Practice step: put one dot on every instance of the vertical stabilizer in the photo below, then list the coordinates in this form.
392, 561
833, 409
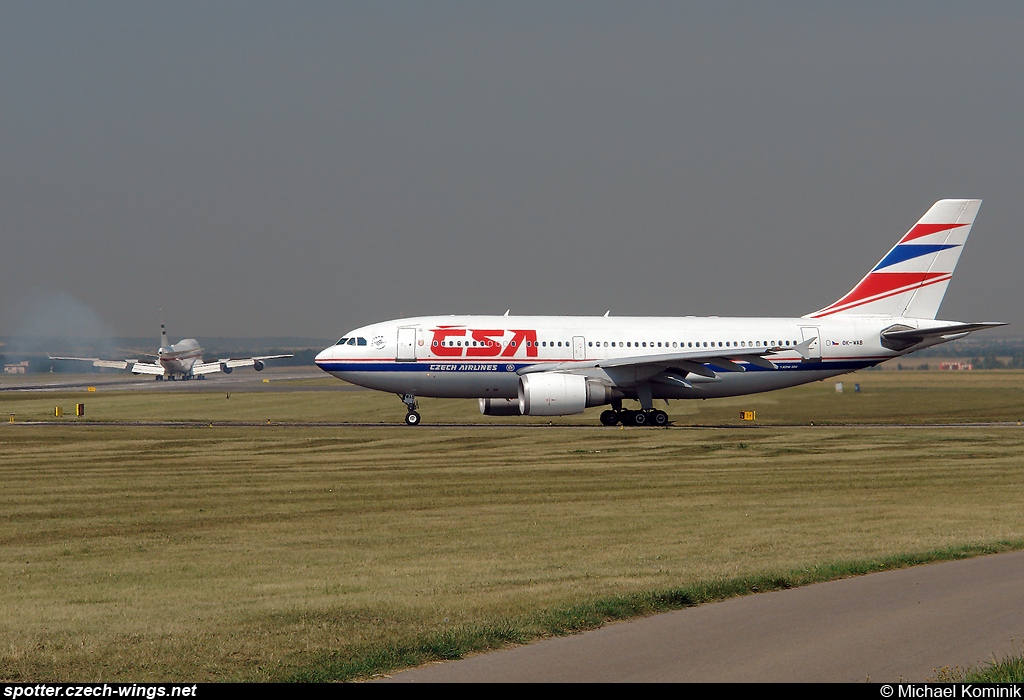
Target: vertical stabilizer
164, 342
912, 277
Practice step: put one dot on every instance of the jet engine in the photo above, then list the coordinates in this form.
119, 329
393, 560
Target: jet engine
555, 394
499, 407
257, 365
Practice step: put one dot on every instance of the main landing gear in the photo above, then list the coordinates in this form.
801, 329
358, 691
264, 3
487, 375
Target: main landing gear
412, 417
626, 417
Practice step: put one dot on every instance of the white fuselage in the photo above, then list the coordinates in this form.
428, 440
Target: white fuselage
483, 356
179, 358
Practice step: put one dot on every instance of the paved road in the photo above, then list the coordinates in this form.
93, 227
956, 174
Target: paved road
886, 627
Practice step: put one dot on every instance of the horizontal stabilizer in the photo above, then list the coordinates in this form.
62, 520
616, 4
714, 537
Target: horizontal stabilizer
916, 334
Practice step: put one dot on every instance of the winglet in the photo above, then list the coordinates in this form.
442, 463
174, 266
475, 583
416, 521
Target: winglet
804, 348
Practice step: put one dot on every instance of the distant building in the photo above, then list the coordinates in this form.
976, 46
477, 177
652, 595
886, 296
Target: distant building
955, 365
16, 368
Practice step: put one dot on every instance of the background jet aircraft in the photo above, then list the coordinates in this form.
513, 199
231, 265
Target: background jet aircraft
183, 360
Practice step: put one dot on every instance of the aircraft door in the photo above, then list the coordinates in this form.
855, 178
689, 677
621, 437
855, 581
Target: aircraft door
406, 345
812, 332
579, 348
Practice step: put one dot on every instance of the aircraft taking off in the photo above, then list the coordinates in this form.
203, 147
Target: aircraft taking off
561, 365
183, 360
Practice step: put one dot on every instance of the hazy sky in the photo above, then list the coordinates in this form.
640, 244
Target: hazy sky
302, 168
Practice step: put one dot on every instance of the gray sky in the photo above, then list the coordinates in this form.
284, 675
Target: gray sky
302, 168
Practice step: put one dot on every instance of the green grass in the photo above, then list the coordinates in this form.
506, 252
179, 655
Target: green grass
270, 553
1009, 669
453, 644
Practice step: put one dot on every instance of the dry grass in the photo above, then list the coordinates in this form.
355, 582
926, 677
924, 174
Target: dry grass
197, 553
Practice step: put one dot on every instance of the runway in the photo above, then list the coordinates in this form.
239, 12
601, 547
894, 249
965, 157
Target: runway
279, 379
897, 626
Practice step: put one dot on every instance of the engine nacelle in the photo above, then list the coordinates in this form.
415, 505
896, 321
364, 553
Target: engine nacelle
258, 366
500, 407
224, 368
554, 394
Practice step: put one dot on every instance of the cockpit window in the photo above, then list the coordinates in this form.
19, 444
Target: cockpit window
342, 341
351, 341
361, 341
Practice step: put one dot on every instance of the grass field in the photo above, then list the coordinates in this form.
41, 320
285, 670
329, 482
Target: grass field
886, 397
281, 553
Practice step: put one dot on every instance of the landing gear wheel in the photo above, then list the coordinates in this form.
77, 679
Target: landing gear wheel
609, 418
660, 418
640, 418
412, 417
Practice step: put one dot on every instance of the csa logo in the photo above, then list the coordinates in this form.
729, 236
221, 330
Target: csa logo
453, 341
378, 342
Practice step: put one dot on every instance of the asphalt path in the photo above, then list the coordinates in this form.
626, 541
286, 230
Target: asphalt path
896, 626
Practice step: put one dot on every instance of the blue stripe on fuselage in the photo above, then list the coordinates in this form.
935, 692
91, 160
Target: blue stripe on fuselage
506, 367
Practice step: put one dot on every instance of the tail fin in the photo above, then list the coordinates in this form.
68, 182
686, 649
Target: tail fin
164, 342
912, 278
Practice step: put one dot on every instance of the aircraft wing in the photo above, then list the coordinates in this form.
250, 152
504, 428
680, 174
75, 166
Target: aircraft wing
231, 363
690, 362
134, 366
147, 368
250, 361
97, 362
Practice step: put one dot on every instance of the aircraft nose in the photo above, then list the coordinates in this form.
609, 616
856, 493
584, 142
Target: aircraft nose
324, 355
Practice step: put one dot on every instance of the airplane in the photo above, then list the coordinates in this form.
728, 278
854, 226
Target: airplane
562, 365
183, 360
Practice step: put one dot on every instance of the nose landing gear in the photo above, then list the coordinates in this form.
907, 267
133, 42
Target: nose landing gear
412, 417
